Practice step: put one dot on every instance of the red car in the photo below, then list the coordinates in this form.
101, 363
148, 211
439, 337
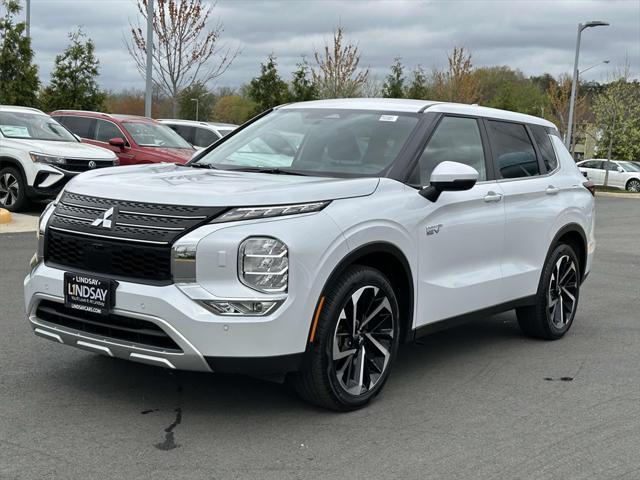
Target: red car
134, 139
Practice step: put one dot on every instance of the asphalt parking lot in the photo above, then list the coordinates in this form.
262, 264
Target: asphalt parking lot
478, 401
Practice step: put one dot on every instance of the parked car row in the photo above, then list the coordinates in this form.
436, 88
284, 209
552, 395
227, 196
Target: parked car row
39, 153
624, 175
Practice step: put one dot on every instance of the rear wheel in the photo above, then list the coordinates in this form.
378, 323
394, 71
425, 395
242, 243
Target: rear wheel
13, 194
557, 298
356, 341
633, 185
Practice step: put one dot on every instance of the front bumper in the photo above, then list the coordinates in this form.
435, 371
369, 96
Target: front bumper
207, 342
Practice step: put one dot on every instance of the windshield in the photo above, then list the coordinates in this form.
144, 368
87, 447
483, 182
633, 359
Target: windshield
33, 126
147, 134
317, 141
630, 166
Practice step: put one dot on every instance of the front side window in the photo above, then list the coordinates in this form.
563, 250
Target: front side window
512, 149
317, 141
33, 126
105, 131
546, 148
456, 139
204, 137
147, 134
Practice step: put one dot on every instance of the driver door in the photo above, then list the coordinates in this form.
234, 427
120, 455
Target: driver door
461, 237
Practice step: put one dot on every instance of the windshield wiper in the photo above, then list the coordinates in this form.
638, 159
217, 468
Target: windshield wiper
199, 165
273, 170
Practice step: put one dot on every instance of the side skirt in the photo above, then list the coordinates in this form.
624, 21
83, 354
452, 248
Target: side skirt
472, 316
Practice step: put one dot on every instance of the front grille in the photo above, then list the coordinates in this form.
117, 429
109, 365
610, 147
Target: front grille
109, 257
131, 242
117, 327
82, 165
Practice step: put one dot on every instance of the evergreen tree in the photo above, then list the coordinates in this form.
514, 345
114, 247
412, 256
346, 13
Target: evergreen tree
393, 86
268, 90
19, 81
205, 101
302, 88
418, 89
73, 80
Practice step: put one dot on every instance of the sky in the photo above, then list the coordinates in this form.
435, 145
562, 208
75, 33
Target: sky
533, 36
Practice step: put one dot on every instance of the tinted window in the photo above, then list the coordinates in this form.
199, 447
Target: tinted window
592, 164
610, 166
204, 137
513, 150
456, 139
81, 126
546, 148
105, 131
184, 131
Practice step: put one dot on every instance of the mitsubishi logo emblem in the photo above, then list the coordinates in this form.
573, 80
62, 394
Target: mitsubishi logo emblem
106, 220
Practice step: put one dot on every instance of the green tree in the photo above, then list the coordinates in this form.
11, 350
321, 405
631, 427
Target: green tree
507, 89
418, 89
393, 86
187, 102
617, 113
233, 109
73, 80
19, 81
302, 88
268, 90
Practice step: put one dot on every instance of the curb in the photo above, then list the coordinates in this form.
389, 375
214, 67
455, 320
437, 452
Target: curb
18, 223
5, 216
617, 195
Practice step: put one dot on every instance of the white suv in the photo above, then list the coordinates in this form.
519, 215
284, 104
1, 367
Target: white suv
315, 239
38, 156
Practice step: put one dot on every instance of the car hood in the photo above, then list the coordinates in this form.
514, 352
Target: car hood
63, 149
177, 185
179, 155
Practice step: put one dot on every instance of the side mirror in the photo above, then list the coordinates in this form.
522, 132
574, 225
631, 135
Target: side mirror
117, 142
450, 176
620, 169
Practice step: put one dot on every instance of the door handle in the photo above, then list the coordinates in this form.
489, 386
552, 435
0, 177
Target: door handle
551, 190
492, 196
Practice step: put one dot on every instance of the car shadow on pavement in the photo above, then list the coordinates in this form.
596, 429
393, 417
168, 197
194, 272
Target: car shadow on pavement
148, 388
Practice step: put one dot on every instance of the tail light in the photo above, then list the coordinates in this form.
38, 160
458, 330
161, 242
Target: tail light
589, 185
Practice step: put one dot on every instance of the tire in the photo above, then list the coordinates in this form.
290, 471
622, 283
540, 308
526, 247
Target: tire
330, 379
556, 302
13, 190
633, 185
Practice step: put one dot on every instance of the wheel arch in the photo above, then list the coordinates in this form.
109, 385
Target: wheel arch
12, 162
393, 263
573, 235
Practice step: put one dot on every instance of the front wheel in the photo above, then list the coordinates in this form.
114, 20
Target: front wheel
557, 298
633, 185
13, 195
355, 342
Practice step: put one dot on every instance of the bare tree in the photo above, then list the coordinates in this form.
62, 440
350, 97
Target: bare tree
336, 73
458, 83
558, 94
185, 49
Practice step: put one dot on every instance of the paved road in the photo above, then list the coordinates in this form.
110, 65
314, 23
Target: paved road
479, 401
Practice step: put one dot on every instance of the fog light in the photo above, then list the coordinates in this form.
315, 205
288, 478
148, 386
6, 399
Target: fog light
254, 308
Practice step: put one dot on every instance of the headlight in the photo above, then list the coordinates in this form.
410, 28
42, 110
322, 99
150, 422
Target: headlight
251, 213
263, 264
50, 159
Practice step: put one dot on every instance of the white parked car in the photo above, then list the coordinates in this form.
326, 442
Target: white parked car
199, 134
624, 175
38, 156
315, 240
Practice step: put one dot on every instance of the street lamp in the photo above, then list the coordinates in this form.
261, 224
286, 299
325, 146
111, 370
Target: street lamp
581, 27
573, 125
593, 66
197, 102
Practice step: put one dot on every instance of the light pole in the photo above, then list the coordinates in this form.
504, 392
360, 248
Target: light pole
572, 100
29, 18
573, 125
197, 102
149, 75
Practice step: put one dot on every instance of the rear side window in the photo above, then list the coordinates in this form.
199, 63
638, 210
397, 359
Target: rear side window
105, 131
184, 131
592, 164
204, 137
545, 147
81, 126
456, 139
513, 151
